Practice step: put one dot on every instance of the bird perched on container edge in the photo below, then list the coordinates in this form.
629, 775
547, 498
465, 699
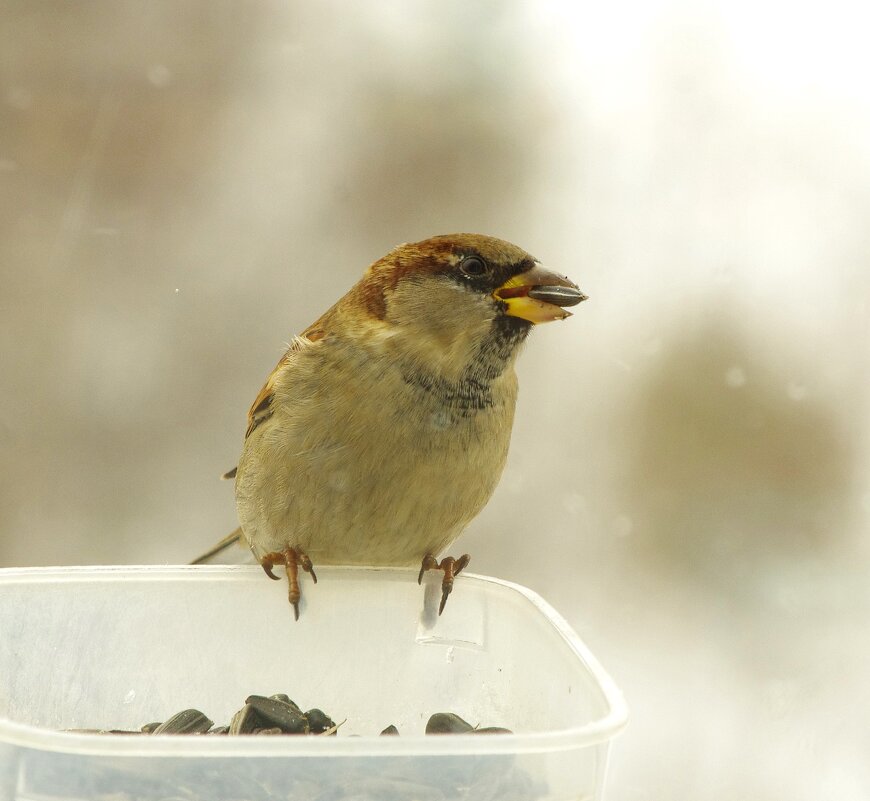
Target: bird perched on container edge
384, 429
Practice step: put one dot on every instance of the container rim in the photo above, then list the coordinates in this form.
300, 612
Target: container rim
35, 737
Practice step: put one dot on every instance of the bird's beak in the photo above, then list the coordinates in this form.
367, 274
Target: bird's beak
538, 295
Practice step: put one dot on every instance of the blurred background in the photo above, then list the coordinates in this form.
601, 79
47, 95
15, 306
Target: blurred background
184, 186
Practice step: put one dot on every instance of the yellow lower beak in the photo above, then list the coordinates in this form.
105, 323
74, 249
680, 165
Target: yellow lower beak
538, 295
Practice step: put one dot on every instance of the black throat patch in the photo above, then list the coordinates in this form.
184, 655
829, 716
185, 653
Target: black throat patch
472, 392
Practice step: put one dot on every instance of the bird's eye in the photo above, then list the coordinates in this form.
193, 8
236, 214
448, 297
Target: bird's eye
472, 266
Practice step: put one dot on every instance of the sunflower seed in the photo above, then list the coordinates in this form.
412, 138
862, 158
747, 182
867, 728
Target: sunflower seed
244, 721
272, 712
558, 295
188, 721
447, 723
286, 699
318, 721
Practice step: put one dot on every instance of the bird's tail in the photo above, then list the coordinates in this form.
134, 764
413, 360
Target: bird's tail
231, 539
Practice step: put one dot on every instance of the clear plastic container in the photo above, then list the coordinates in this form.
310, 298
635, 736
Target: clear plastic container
118, 647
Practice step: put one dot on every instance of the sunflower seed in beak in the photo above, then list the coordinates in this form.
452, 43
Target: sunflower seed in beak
557, 295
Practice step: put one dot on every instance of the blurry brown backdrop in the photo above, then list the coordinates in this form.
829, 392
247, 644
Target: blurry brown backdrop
183, 186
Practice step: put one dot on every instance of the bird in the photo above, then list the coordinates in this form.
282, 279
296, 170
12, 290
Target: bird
384, 428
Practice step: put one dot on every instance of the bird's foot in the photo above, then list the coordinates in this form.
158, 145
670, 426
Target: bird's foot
292, 559
451, 567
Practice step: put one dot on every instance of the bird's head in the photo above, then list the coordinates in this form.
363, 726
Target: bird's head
451, 298
464, 280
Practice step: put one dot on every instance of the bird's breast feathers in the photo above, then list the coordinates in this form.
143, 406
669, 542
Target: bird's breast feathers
365, 458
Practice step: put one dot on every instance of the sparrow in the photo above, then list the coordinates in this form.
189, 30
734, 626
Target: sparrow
384, 428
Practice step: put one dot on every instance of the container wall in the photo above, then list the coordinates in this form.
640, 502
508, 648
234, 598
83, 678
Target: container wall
563, 776
118, 653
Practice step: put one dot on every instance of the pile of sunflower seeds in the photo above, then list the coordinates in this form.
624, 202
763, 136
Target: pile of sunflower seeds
278, 714
475, 777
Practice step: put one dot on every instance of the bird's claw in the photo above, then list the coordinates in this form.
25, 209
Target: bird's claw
267, 564
451, 568
292, 559
305, 564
